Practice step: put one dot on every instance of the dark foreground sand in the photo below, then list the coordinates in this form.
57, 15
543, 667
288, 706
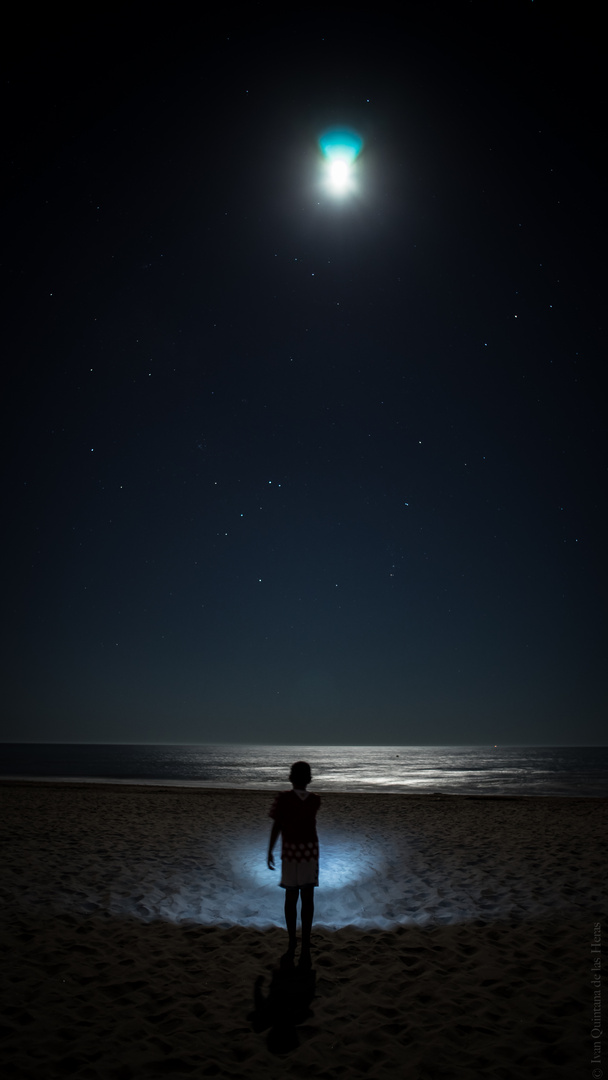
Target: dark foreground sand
468, 949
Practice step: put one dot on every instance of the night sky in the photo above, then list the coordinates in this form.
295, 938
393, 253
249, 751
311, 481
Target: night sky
285, 466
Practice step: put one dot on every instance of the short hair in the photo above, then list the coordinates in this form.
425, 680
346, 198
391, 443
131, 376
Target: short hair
300, 774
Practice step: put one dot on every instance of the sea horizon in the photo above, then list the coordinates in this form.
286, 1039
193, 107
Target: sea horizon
500, 769
234, 742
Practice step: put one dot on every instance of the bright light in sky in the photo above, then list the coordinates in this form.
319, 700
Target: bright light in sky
339, 176
340, 147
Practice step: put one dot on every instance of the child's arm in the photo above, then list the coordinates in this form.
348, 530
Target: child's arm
274, 834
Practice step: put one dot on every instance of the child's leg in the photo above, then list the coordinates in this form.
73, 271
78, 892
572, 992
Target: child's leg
291, 914
308, 910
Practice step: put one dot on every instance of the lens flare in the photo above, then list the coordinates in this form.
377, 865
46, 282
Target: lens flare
341, 143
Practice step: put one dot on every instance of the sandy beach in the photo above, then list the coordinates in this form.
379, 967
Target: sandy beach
141, 935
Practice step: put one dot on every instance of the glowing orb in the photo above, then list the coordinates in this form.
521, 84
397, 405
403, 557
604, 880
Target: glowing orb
340, 147
339, 176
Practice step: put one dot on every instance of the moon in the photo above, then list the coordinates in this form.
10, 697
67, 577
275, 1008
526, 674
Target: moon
340, 148
339, 176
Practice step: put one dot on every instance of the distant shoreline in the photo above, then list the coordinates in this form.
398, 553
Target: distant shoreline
198, 785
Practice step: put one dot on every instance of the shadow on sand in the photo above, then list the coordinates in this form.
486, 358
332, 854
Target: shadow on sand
286, 1005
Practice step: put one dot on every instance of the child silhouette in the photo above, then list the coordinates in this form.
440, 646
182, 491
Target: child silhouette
294, 813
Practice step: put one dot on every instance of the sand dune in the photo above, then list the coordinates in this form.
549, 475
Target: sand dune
141, 934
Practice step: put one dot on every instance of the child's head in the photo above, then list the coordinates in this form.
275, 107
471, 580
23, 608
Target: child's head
300, 774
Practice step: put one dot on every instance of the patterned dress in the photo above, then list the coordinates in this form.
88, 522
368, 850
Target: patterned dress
295, 812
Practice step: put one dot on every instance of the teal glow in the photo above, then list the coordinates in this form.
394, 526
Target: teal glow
342, 144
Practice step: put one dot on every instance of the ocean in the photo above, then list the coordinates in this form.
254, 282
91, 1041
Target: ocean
466, 770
